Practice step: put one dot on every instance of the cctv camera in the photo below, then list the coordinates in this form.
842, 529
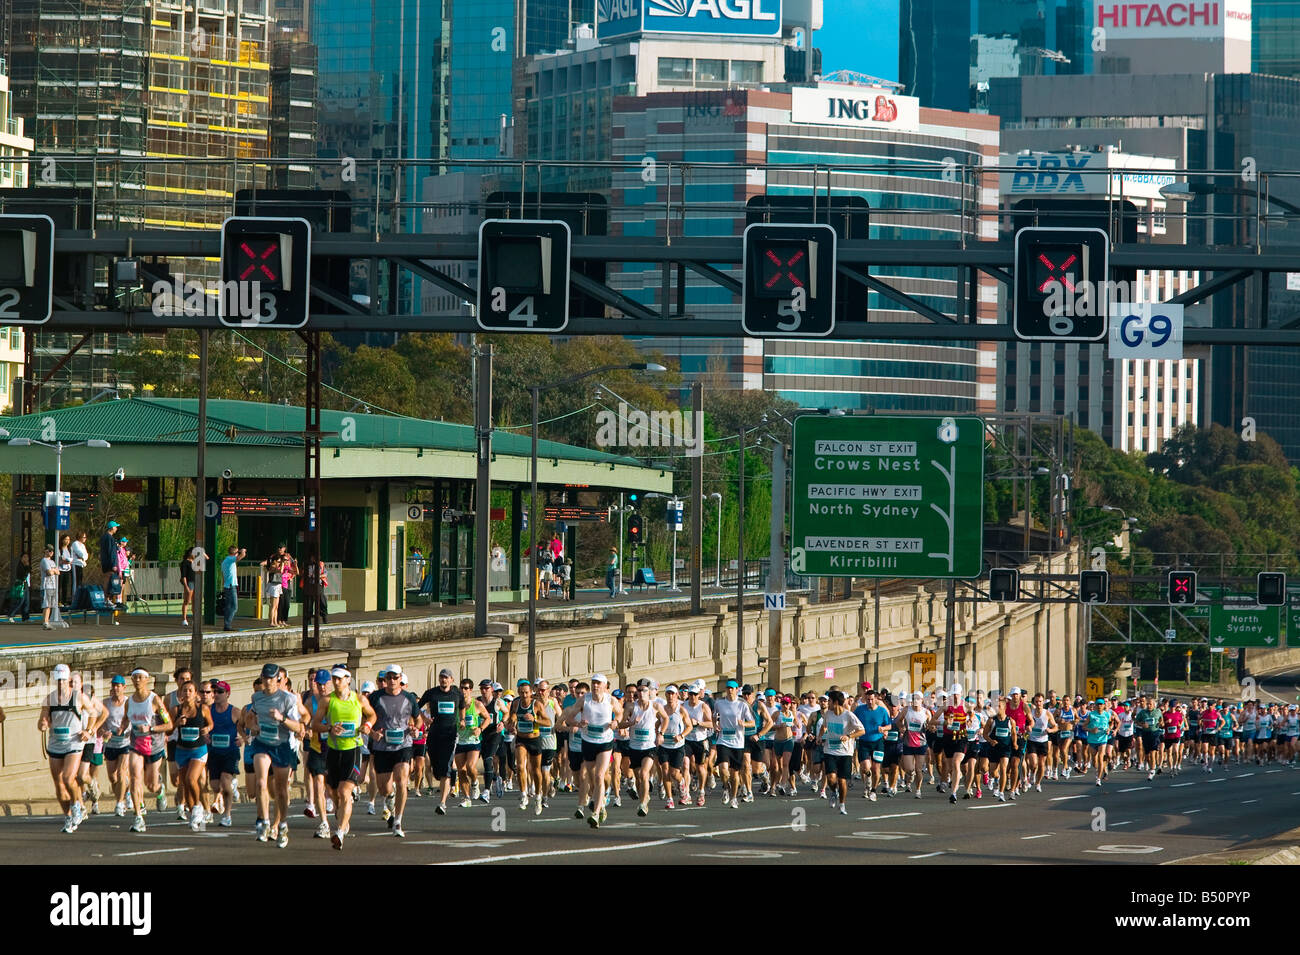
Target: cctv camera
227, 474
120, 474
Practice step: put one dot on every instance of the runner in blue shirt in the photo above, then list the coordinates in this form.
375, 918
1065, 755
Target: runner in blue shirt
874, 717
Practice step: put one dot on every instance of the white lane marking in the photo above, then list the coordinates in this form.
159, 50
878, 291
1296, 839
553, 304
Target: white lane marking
151, 852
881, 836
1247, 802
1191, 811
1270, 772
1063, 798
1126, 822
1125, 850
1043, 836
732, 832
928, 855
1242, 776
996, 805
562, 852
1181, 785
1134, 789
895, 815
1221, 779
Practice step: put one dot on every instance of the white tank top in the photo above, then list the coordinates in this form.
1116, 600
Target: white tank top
673, 738
66, 723
597, 714
1038, 731
116, 711
642, 730
140, 713
696, 713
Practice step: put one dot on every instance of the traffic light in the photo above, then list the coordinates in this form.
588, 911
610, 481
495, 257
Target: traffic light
1270, 589
1004, 584
265, 272
634, 534
523, 275
789, 281
632, 498
1182, 586
26, 269
1094, 586
1061, 287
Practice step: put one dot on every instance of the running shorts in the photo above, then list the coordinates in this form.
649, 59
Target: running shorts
952, 746
698, 749
1036, 748
113, 755
915, 750
530, 744
185, 755
171, 751
1209, 737
441, 749
281, 756
1001, 751
344, 766
575, 760
462, 748
892, 752
144, 746
730, 756
1125, 743
548, 757
838, 766
767, 744
418, 750
638, 756
315, 763
673, 758
977, 749
783, 746
754, 747
386, 760
223, 761
620, 746
591, 750
90, 757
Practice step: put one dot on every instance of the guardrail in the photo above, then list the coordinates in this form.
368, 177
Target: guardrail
155, 581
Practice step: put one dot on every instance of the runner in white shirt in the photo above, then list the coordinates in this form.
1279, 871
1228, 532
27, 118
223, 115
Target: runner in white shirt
732, 715
836, 733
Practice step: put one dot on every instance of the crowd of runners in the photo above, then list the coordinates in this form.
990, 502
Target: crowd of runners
676, 746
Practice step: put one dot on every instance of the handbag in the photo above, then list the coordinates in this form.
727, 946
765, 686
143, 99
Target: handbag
18, 590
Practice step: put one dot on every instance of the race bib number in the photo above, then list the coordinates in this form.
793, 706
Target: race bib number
394, 737
446, 707
61, 733
189, 734
730, 738
1002, 732
268, 732
641, 735
525, 727
878, 755
220, 741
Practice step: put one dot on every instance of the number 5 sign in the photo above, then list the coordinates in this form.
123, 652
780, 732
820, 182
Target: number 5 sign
1146, 330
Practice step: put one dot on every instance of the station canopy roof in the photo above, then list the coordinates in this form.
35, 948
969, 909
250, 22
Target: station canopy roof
156, 437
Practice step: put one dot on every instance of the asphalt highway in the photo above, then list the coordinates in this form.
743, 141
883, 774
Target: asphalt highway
1128, 820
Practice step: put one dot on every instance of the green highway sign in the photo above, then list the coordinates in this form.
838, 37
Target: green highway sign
882, 496
1245, 627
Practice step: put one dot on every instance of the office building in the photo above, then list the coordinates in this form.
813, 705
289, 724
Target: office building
910, 198
1133, 405
1169, 37
1275, 37
13, 175
949, 50
1203, 122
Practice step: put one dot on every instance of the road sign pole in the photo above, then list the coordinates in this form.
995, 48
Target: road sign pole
776, 566
200, 502
483, 491
950, 634
740, 565
697, 499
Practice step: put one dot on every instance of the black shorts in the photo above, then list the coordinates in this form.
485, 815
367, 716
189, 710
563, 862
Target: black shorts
575, 760
1125, 743
113, 755
171, 751
223, 761
915, 750
638, 756
1170, 742
952, 746
730, 756
386, 760
315, 763
591, 750
1000, 751
892, 752
1036, 748
977, 749
839, 766
754, 747
698, 749
532, 745
1209, 737
419, 749
342, 766
673, 758
620, 746
548, 756
441, 749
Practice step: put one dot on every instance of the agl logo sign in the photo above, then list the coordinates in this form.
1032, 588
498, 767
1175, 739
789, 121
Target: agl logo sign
713, 17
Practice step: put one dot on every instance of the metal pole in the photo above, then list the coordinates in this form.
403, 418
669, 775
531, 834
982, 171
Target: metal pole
620, 543
740, 566
776, 565
950, 632
200, 501
532, 554
673, 586
483, 490
697, 499
875, 656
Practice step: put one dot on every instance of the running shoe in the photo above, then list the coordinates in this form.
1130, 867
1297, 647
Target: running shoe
979, 793
918, 792
546, 802
749, 797
336, 840
966, 794
138, 825
397, 831
670, 804
642, 810
67, 824
440, 809
523, 803
891, 792
699, 800
820, 795
537, 809
388, 815
483, 797
998, 795
262, 827
1151, 775
119, 809
161, 800
309, 811
577, 813
1098, 780
283, 840
466, 803
196, 820
78, 815
618, 801
594, 820
225, 821
952, 798
872, 795
1065, 773
1039, 787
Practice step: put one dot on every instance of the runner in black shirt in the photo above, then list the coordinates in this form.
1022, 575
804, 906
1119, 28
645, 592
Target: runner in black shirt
445, 704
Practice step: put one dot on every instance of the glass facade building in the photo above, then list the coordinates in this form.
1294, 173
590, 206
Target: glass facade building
1275, 37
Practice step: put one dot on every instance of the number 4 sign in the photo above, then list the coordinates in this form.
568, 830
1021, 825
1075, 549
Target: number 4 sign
1146, 330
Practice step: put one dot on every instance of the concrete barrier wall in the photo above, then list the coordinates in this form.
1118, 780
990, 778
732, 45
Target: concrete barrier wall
997, 646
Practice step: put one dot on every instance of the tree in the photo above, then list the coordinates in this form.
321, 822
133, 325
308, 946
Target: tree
378, 375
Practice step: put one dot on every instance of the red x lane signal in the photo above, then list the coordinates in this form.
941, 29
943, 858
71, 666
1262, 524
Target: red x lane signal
259, 258
786, 267
1058, 273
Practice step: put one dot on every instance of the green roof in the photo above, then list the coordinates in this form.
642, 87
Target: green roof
174, 421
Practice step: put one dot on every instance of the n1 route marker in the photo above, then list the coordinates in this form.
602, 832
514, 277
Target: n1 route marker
882, 496
1245, 627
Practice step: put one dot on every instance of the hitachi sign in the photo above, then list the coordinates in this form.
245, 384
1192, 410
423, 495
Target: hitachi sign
1145, 15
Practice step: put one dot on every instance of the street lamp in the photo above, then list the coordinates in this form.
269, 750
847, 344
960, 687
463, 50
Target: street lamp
58, 448
717, 573
535, 515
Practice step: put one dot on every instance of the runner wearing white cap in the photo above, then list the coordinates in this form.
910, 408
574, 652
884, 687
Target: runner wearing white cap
347, 718
913, 724
596, 718
672, 748
275, 713
71, 719
697, 739
396, 714
144, 712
